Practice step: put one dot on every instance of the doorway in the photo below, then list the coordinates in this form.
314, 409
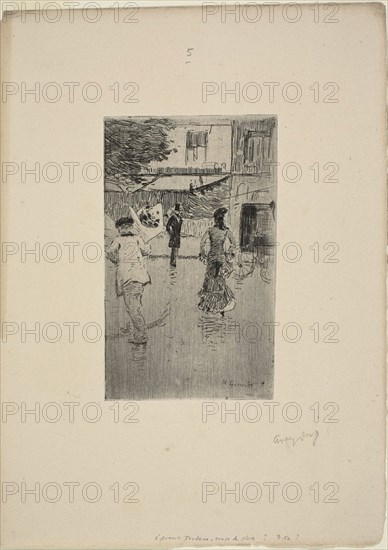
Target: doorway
256, 220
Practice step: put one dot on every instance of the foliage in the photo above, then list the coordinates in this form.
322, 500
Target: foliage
131, 145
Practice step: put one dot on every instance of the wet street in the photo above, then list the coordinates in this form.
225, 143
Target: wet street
190, 354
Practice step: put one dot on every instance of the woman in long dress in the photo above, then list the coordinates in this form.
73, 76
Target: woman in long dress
215, 295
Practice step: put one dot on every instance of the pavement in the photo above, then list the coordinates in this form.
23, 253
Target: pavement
190, 354
189, 246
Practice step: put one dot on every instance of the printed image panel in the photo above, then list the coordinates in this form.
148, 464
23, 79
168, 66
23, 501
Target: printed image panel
190, 237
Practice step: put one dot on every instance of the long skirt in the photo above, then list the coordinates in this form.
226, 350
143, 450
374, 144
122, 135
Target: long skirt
215, 294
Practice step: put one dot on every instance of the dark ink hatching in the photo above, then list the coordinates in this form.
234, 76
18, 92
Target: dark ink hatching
190, 237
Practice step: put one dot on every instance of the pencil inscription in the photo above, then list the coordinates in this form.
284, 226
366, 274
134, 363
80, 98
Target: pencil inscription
293, 441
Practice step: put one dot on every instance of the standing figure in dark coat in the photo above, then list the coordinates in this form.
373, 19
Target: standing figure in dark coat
173, 228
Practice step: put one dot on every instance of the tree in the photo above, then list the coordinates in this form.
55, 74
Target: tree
130, 146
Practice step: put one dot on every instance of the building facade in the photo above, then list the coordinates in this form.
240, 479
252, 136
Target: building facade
215, 162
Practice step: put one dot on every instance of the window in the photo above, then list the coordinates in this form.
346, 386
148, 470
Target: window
256, 149
196, 145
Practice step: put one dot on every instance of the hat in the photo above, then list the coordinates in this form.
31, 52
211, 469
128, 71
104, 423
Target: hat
124, 221
220, 212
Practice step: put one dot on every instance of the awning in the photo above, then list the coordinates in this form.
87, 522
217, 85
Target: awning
173, 182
